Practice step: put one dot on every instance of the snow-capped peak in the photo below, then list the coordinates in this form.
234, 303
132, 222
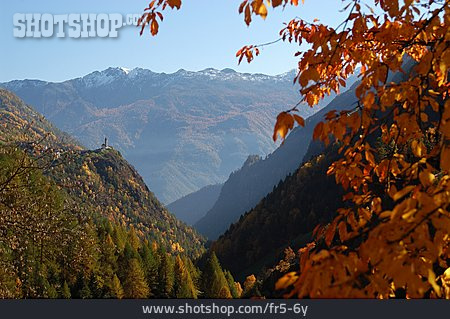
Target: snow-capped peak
99, 78
125, 70
112, 74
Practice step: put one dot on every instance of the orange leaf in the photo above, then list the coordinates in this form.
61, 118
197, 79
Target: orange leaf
426, 178
241, 7
154, 27
299, 120
343, 234
174, 3
262, 11
329, 234
287, 280
320, 255
285, 122
369, 157
418, 148
276, 3
404, 191
318, 130
248, 15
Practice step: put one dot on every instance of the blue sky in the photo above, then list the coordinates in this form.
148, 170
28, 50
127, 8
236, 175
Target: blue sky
203, 34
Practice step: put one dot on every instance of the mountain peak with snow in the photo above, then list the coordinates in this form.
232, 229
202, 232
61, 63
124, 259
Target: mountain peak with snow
125, 70
122, 74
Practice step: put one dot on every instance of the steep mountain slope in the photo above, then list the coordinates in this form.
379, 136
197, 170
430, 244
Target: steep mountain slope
182, 131
192, 207
20, 122
99, 182
247, 186
103, 182
283, 218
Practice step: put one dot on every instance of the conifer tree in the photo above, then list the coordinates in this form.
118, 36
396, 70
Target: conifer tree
108, 265
183, 285
109, 253
165, 275
65, 291
85, 292
194, 272
133, 239
116, 290
214, 283
232, 284
150, 265
135, 285
119, 237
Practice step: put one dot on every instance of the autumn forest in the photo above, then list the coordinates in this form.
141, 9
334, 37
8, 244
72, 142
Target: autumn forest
328, 181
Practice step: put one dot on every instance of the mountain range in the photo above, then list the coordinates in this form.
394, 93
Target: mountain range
182, 131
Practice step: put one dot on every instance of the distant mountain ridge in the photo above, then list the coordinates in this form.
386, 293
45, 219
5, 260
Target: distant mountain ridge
192, 207
182, 131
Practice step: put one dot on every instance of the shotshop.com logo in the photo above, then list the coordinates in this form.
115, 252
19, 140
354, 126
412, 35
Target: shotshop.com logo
73, 25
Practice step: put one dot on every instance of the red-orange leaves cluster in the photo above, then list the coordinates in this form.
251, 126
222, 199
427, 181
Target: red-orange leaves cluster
247, 52
259, 7
151, 14
393, 237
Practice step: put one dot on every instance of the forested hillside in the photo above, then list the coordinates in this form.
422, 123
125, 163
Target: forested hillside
21, 123
82, 224
284, 218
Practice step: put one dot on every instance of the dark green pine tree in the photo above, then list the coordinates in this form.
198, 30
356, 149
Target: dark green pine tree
135, 284
214, 283
96, 285
85, 292
166, 276
124, 259
130, 252
150, 264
